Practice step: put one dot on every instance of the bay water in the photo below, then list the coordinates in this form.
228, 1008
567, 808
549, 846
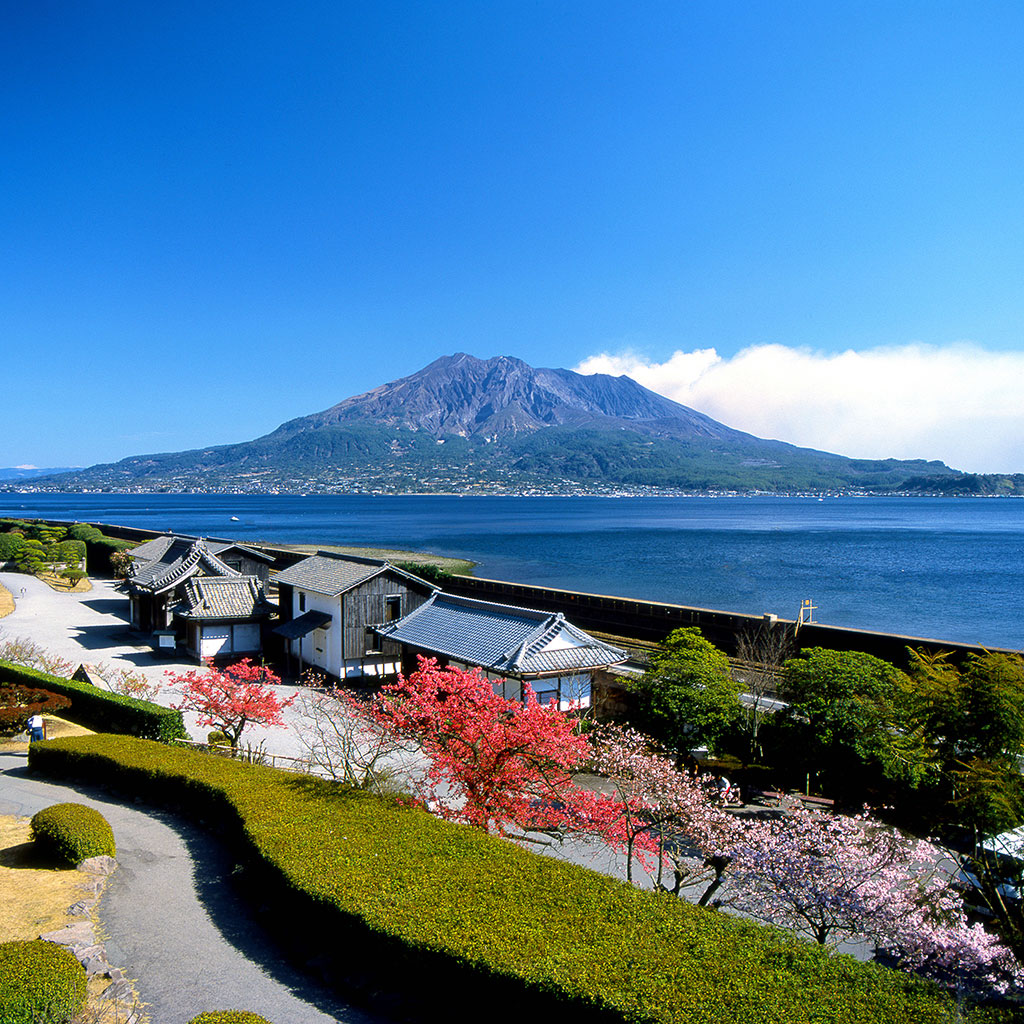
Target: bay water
944, 568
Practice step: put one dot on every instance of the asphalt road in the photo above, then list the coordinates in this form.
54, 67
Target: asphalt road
174, 921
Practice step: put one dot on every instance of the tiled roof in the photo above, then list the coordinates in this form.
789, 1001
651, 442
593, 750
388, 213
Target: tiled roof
332, 575
223, 597
500, 637
155, 549
181, 559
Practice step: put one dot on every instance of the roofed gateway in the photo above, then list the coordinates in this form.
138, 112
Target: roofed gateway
517, 645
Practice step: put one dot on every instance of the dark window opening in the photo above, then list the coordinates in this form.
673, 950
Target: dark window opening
392, 607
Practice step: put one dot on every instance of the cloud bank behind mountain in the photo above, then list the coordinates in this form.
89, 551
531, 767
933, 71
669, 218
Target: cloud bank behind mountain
959, 403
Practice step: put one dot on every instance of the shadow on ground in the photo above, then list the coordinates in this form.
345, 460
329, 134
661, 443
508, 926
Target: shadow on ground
215, 875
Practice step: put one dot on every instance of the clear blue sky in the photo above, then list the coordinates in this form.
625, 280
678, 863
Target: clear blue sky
218, 216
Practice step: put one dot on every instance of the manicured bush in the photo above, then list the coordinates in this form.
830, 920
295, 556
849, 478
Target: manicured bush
19, 703
101, 710
69, 551
229, 1017
392, 900
10, 546
39, 981
72, 833
98, 547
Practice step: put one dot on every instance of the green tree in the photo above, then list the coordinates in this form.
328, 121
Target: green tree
31, 558
972, 716
688, 696
848, 716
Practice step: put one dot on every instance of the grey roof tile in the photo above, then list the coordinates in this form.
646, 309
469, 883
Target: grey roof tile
180, 559
332, 575
502, 638
224, 597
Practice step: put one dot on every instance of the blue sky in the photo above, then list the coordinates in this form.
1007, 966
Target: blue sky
803, 218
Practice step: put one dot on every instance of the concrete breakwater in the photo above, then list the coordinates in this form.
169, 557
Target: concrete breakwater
645, 622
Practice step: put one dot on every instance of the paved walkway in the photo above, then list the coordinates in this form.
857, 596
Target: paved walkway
174, 921
92, 628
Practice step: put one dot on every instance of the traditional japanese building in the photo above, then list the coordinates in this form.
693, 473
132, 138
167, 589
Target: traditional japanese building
223, 616
517, 645
190, 589
329, 606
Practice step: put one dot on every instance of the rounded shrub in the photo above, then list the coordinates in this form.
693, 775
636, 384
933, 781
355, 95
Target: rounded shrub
72, 833
229, 1017
39, 981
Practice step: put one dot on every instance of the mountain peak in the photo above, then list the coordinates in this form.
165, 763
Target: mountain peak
470, 397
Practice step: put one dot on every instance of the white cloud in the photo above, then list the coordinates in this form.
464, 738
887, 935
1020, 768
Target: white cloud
959, 403
26, 467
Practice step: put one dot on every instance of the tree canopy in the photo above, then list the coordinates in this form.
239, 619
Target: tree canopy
688, 696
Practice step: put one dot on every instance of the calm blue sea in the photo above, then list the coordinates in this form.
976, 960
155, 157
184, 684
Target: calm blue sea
946, 568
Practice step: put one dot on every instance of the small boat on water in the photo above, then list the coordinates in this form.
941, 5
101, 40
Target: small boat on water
235, 519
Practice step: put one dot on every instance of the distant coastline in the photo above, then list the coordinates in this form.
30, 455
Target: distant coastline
917, 567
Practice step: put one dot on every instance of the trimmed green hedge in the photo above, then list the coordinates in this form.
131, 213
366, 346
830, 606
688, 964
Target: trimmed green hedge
229, 1017
39, 981
10, 546
71, 833
98, 547
101, 710
394, 901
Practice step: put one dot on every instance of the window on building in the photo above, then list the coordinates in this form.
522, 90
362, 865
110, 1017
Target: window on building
392, 607
302, 601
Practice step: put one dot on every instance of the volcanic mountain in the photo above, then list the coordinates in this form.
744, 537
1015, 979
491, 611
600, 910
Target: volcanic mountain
501, 426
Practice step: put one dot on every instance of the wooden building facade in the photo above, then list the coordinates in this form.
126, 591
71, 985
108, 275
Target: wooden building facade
330, 606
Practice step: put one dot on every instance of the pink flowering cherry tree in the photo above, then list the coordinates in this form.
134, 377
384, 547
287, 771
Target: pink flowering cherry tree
833, 877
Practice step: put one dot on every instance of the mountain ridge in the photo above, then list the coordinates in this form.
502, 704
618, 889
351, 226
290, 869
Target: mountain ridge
468, 425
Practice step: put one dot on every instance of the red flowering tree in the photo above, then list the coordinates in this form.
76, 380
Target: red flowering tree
493, 763
232, 698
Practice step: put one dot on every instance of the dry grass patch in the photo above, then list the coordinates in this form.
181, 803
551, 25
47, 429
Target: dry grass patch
6, 601
61, 585
453, 565
34, 897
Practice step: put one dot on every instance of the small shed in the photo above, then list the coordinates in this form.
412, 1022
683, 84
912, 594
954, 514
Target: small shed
330, 604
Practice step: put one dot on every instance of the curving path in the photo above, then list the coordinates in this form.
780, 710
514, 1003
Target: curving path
173, 921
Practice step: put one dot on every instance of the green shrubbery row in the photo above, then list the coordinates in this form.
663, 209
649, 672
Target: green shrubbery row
39, 981
391, 899
101, 710
99, 547
71, 833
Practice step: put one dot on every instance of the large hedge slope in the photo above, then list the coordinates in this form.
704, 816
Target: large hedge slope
397, 903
